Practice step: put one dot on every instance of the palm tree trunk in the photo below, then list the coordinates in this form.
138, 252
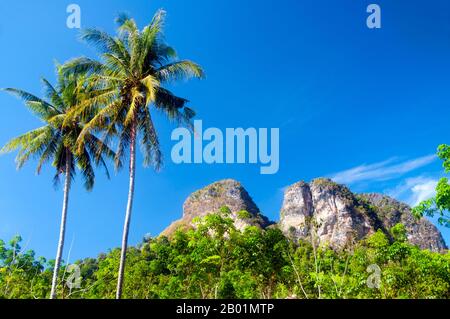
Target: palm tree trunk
126, 226
62, 229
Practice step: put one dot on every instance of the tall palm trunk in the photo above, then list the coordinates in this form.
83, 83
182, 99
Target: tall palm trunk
62, 229
126, 226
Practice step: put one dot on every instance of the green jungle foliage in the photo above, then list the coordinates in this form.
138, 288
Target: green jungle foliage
215, 260
439, 205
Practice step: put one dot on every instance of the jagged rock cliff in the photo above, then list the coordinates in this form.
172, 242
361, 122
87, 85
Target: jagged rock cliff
391, 212
322, 210
334, 216
210, 199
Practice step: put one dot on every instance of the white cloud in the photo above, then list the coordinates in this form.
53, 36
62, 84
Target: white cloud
385, 170
414, 190
423, 192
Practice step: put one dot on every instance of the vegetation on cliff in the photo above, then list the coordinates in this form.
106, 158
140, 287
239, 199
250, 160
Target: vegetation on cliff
439, 205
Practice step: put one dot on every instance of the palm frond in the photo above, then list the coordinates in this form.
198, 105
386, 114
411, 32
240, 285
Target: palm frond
36, 105
99, 148
89, 106
120, 90
104, 42
150, 142
82, 65
48, 153
121, 18
116, 64
161, 54
137, 98
34, 147
151, 85
168, 102
24, 140
127, 25
84, 164
65, 123
53, 95
179, 70
149, 39
97, 123
123, 144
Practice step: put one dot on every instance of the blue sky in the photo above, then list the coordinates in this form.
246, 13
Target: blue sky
367, 107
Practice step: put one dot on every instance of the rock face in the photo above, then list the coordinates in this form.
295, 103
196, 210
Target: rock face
210, 199
323, 211
332, 215
421, 232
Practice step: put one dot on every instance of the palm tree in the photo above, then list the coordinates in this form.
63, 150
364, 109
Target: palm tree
55, 142
135, 65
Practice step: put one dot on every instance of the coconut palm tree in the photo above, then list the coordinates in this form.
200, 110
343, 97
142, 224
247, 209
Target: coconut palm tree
54, 142
134, 67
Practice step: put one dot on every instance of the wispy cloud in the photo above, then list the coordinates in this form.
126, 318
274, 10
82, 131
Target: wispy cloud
414, 190
381, 171
421, 192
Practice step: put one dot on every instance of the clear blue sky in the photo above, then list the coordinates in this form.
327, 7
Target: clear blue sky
364, 106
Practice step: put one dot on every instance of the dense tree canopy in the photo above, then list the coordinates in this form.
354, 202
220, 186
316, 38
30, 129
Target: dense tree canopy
215, 260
